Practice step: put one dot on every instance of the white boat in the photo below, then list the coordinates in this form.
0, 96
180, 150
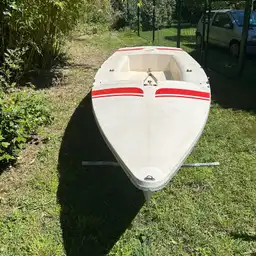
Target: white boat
151, 105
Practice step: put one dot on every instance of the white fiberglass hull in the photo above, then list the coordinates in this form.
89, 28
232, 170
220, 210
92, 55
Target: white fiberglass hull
151, 105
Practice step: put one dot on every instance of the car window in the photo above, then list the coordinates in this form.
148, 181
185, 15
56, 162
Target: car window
206, 17
221, 19
238, 16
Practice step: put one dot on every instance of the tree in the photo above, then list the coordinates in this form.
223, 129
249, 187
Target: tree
164, 13
124, 13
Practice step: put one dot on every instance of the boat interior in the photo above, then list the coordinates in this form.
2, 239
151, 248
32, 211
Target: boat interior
158, 67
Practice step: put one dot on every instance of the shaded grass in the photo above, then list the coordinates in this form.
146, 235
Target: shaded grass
218, 59
60, 208
98, 204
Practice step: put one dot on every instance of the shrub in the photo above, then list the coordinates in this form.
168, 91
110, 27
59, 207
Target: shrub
12, 68
125, 13
21, 113
164, 12
41, 26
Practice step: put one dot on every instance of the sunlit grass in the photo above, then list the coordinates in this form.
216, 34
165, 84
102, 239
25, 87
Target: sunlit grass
203, 211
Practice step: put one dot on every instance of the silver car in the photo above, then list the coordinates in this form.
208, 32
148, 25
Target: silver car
226, 28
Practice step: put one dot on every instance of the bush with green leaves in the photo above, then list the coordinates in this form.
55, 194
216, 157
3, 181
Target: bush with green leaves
21, 114
41, 26
164, 12
12, 68
125, 13
32, 33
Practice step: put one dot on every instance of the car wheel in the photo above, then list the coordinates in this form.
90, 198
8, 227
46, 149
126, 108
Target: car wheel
234, 49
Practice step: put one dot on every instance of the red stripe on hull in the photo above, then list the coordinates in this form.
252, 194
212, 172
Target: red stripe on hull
182, 92
120, 90
179, 96
129, 49
170, 49
117, 95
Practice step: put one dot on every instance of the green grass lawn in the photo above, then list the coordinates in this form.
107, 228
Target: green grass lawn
168, 37
51, 205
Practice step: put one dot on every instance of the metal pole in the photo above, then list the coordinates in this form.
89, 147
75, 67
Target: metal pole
147, 195
127, 10
2, 6
115, 164
138, 19
201, 164
179, 23
154, 19
253, 5
247, 14
203, 37
209, 2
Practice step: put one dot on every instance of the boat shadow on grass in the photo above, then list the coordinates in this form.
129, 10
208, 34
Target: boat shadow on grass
228, 89
97, 203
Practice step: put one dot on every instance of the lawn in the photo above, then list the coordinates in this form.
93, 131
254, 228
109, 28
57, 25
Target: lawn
51, 205
168, 37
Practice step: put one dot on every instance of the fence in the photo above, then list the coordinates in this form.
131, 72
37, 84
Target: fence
184, 23
162, 25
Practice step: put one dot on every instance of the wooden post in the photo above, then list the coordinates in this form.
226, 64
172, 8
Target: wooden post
154, 19
247, 14
179, 23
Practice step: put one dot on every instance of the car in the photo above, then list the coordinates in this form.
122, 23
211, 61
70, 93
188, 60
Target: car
226, 28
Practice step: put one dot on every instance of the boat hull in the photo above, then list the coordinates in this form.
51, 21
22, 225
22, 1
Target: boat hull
151, 130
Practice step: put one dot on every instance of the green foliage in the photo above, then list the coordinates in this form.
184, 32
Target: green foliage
125, 13
192, 10
21, 113
144, 249
164, 11
12, 68
41, 26
139, 3
96, 11
228, 4
95, 17
32, 33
